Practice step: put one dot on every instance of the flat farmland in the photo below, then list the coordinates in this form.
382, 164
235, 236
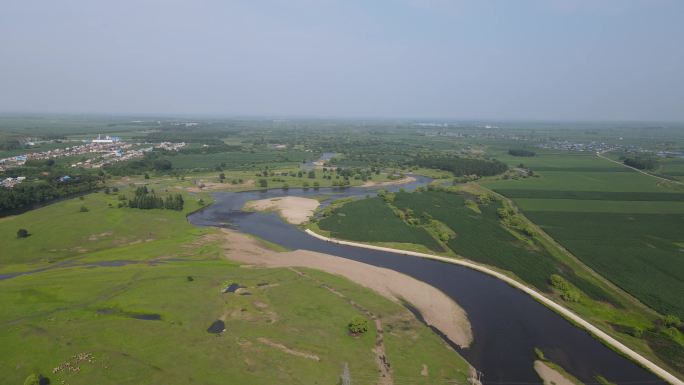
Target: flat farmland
371, 220
673, 168
572, 180
640, 252
601, 206
625, 225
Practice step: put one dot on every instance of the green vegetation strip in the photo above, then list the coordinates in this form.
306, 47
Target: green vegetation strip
591, 195
371, 220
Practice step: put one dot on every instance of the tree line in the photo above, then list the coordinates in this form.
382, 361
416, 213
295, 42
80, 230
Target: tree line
642, 163
463, 166
145, 199
28, 194
152, 161
521, 152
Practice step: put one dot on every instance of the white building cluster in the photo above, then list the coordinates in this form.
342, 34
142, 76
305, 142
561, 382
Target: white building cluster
170, 146
11, 182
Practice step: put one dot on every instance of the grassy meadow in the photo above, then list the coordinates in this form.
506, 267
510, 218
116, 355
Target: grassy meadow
128, 296
371, 220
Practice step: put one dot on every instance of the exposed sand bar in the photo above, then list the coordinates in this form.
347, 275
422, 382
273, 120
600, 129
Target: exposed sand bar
550, 375
404, 180
437, 308
295, 210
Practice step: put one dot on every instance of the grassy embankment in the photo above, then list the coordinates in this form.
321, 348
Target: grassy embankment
56, 314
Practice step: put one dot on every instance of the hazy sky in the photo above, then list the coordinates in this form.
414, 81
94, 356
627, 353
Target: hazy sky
505, 59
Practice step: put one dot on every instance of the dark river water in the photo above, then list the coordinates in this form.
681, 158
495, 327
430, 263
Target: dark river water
507, 324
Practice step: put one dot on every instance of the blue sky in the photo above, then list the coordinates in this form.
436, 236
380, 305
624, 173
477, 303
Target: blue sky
485, 59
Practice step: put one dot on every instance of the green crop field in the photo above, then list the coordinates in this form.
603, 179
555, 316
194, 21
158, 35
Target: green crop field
371, 220
643, 253
672, 167
600, 206
622, 224
481, 237
592, 195
625, 225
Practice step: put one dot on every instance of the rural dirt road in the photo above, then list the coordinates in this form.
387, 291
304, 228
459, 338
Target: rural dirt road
595, 331
600, 155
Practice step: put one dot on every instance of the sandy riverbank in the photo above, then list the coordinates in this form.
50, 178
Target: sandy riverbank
404, 180
549, 375
436, 308
214, 186
295, 210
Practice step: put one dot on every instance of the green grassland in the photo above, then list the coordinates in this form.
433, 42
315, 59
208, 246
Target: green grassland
371, 220
239, 159
82, 310
89, 306
61, 231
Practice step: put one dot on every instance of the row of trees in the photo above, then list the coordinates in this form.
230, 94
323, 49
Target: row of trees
642, 163
28, 194
152, 161
463, 166
148, 199
521, 152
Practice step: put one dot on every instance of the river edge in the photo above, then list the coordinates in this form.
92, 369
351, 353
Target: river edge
570, 316
436, 308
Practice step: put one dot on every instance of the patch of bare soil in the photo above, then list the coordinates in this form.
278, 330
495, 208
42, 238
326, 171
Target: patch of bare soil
287, 350
214, 186
295, 210
404, 180
549, 375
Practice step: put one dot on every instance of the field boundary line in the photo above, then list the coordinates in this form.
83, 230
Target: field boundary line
563, 311
600, 155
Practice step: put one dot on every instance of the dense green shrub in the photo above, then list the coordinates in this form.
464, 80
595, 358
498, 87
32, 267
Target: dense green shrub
642, 163
358, 325
463, 166
520, 152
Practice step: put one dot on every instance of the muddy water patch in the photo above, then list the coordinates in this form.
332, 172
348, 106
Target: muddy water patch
233, 287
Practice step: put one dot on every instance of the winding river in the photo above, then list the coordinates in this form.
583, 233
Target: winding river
507, 324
